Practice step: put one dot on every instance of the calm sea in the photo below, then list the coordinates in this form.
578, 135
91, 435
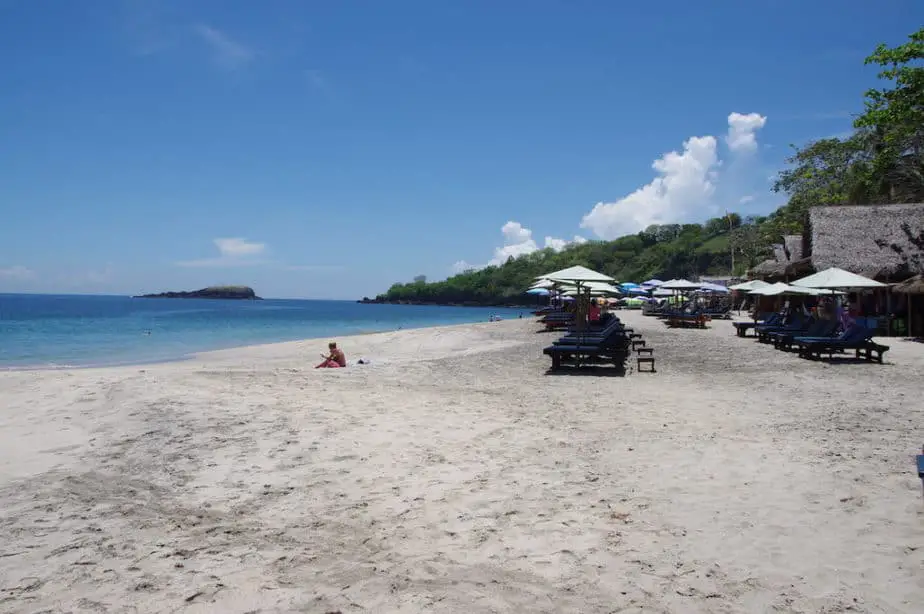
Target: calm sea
60, 331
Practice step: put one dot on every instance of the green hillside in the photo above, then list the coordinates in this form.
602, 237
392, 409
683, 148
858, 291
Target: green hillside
882, 161
660, 251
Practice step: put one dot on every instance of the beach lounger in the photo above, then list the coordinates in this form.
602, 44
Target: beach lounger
612, 348
687, 320
920, 459
557, 320
742, 328
763, 331
824, 329
858, 339
592, 337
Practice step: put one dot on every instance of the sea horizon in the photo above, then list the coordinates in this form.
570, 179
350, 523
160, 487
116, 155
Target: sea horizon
62, 331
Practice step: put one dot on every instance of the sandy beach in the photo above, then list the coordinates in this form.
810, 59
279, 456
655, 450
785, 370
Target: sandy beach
453, 475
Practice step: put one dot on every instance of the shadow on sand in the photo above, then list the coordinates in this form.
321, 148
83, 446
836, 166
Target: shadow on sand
595, 371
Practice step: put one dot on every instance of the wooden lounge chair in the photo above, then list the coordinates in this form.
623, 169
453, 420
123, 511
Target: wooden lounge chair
687, 320
742, 328
763, 331
858, 339
594, 337
783, 340
612, 348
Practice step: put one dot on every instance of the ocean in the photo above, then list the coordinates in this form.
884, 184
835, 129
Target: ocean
52, 331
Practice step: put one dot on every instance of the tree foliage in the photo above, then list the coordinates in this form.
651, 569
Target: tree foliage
673, 250
881, 162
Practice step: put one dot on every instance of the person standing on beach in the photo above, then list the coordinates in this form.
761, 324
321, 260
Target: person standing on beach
334, 360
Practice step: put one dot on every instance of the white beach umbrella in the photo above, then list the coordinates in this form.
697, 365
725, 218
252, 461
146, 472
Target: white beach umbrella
577, 275
837, 278
747, 286
595, 288
603, 287
662, 292
780, 288
714, 288
679, 284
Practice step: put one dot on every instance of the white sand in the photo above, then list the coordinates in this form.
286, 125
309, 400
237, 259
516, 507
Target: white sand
452, 475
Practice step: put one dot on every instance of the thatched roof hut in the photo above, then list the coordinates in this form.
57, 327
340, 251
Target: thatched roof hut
793, 246
768, 269
883, 242
912, 285
784, 255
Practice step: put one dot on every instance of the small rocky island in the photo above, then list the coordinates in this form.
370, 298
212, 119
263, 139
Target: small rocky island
220, 292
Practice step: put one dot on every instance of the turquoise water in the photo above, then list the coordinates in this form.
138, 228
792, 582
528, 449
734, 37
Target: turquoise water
68, 330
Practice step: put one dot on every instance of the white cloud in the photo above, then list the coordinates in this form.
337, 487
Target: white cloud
746, 199
233, 252
683, 190
686, 183
556, 244
16, 272
518, 241
742, 131
560, 244
226, 52
234, 247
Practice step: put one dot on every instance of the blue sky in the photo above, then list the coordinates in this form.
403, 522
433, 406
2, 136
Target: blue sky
326, 150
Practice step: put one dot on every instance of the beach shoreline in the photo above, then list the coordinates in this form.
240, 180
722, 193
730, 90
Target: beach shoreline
203, 354
452, 474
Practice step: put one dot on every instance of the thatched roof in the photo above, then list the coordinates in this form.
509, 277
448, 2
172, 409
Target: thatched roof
793, 245
784, 254
878, 241
912, 285
768, 268
779, 252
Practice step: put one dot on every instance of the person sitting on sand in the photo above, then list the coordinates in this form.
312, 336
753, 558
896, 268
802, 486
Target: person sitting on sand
334, 360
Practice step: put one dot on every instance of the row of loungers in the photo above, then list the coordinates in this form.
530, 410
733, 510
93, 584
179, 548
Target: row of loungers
557, 320
813, 338
711, 313
607, 342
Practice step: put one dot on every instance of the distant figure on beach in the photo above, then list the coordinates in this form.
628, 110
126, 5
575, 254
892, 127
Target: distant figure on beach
593, 313
334, 360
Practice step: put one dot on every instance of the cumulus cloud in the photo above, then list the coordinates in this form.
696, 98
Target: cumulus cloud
683, 189
684, 186
518, 241
233, 251
560, 244
16, 272
685, 181
742, 131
